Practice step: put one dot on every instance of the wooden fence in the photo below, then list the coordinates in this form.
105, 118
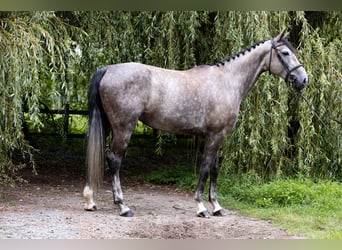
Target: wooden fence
65, 132
66, 115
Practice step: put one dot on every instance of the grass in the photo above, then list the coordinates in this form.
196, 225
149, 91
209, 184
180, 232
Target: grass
300, 206
297, 205
305, 221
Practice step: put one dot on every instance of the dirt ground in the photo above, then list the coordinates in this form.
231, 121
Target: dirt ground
50, 206
44, 211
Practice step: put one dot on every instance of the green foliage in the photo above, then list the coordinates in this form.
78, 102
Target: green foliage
178, 175
289, 192
299, 205
48, 58
162, 139
34, 48
277, 134
142, 129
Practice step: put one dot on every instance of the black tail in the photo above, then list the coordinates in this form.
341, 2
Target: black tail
96, 133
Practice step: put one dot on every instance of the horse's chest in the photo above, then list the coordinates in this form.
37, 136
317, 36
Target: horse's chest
222, 117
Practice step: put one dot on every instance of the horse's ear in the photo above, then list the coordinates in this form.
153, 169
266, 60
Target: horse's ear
286, 35
282, 35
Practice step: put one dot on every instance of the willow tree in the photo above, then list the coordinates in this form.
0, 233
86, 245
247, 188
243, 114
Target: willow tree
49, 57
277, 133
36, 51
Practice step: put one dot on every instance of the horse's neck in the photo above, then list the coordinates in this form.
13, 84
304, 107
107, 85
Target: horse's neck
248, 67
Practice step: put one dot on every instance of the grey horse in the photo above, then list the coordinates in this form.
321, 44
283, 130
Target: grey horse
203, 100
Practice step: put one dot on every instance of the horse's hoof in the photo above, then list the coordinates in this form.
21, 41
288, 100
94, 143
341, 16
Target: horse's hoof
219, 213
90, 209
203, 214
128, 213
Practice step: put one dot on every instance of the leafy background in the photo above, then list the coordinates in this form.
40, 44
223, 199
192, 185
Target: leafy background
48, 58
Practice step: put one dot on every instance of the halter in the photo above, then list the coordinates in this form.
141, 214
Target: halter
289, 71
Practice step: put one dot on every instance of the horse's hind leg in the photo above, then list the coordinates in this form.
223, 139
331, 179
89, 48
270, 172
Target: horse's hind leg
114, 159
88, 193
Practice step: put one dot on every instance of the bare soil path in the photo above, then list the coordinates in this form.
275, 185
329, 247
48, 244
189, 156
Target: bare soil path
49, 211
50, 205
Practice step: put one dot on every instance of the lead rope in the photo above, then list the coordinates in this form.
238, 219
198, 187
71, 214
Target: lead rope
314, 112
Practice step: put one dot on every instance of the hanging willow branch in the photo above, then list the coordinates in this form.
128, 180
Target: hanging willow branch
34, 48
50, 57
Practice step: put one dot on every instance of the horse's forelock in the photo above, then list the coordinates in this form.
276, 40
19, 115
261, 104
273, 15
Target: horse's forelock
289, 45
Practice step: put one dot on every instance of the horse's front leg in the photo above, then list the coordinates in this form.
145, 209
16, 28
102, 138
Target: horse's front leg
208, 165
204, 173
217, 209
114, 163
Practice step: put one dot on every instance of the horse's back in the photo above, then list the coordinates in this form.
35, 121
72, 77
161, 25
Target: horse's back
170, 100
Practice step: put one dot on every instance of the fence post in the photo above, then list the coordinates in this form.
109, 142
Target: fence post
66, 121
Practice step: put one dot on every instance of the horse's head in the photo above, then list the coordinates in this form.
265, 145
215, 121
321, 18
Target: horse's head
283, 62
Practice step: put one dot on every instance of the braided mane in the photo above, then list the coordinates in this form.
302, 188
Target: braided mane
233, 56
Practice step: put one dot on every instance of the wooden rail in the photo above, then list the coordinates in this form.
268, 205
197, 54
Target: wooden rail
66, 112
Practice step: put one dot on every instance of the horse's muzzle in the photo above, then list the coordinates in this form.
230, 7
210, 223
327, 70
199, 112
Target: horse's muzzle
298, 84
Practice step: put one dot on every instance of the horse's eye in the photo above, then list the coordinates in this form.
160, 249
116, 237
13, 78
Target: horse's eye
285, 53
